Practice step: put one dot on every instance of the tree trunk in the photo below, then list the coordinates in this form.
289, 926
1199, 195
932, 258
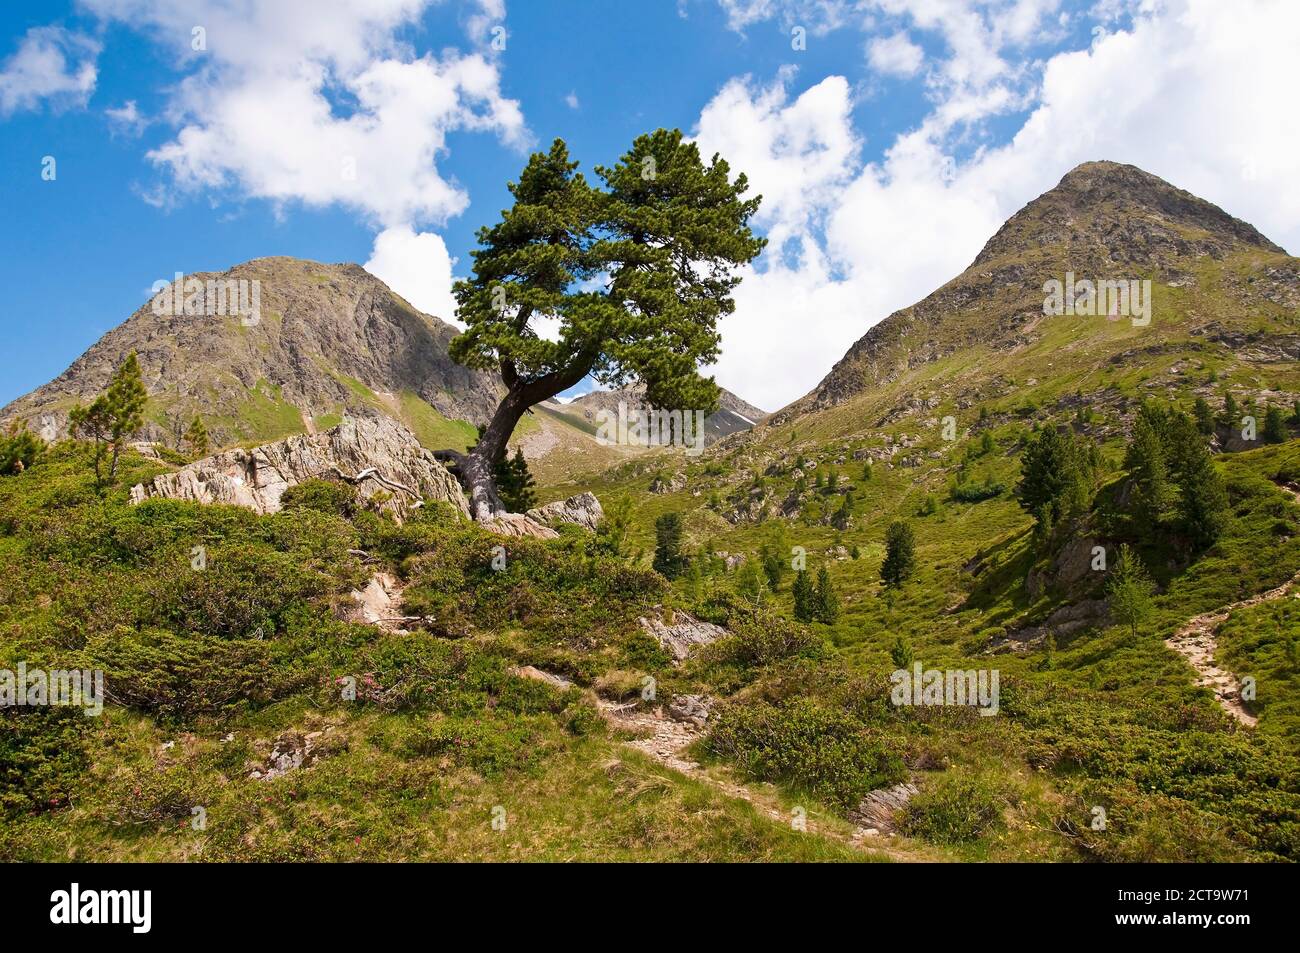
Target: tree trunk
477, 469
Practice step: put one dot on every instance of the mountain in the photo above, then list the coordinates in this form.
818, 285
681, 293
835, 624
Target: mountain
912, 446
1217, 284
329, 339
732, 416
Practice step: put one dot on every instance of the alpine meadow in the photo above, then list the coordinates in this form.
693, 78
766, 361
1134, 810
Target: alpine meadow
712, 431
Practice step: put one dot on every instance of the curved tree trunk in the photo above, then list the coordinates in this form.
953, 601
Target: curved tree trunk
476, 469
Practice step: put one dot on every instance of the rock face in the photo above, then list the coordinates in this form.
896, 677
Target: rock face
581, 510
518, 524
683, 634
375, 454
878, 811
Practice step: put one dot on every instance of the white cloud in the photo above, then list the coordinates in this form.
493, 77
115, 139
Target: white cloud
317, 101
862, 241
50, 65
895, 55
418, 267
126, 119
571, 100
797, 155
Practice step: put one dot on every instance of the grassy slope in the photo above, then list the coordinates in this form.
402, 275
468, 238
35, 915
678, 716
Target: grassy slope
1106, 720
206, 668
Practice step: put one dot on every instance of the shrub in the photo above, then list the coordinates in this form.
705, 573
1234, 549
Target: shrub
826, 752
954, 808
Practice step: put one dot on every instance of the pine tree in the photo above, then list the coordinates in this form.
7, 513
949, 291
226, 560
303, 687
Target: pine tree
19, 449
1230, 411
826, 604
1130, 589
844, 515
515, 483
773, 570
901, 653
668, 558
866, 472
1204, 416
900, 554
196, 438
666, 233
1274, 426
1054, 482
804, 597
1203, 501
1147, 467
113, 417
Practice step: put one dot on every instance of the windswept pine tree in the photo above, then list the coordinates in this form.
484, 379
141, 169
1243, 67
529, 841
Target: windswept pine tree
636, 273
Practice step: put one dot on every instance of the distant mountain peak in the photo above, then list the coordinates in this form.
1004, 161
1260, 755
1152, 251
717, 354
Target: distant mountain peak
1104, 221
1124, 210
328, 339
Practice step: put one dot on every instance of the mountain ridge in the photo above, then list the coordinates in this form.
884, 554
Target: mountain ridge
1102, 220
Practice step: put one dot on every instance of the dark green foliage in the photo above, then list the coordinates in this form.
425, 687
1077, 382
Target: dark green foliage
113, 417
973, 492
1148, 468
1130, 588
826, 604
196, 438
19, 449
1204, 416
900, 554
1055, 477
805, 597
901, 653
1275, 426
669, 561
1229, 416
954, 808
666, 232
827, 752
323, 496
515, 483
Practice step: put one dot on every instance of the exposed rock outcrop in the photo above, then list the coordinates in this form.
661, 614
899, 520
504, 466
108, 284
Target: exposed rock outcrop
683, 634
581, 510
374, 454
879, 810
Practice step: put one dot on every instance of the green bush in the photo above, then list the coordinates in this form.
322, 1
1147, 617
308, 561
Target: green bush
826, 752
954, 808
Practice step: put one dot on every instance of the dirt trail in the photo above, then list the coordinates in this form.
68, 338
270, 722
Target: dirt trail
1197, 642
665, 740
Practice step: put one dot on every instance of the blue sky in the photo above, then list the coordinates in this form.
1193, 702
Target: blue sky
890, 143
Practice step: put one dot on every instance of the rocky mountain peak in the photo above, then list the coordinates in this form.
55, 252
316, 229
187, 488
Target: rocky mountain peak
1126, 214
